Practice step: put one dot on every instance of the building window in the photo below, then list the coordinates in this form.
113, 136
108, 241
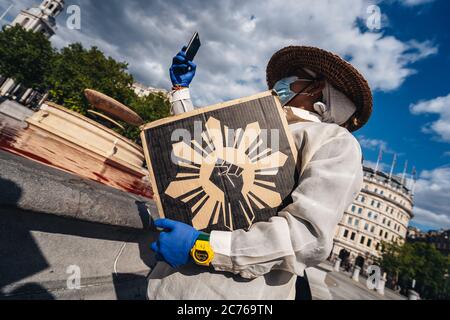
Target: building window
376, 190
362, 240
389, 223
345, 233
372, 203
350, 220
372, 229
392, 211
377, 246
356, 222
386, 235
25, 22
381, 192
359, 210
375, 216
369, 242
384, 220
353, 208
378, 205
366, 227
352, 237
381, 233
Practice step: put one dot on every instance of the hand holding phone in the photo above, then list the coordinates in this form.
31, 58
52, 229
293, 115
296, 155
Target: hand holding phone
182, 71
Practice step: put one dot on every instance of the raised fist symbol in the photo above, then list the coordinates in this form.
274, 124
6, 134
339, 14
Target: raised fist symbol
227, 176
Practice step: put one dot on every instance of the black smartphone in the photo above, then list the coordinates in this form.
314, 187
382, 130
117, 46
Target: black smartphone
193, 47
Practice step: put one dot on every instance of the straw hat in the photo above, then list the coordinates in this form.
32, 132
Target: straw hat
339, 73
112, 107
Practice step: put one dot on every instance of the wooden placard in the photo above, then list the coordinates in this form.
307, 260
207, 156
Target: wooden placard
222, 167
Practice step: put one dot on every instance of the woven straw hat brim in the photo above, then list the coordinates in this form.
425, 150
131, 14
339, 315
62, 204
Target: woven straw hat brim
341, 74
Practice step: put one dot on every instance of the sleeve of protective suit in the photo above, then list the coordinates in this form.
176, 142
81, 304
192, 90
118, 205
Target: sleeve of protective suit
302, 234
180, 101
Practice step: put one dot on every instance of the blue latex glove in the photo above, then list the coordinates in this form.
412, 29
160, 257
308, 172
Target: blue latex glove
182, 70
175, 244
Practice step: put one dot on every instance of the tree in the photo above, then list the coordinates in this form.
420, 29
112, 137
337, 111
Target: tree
421, 262
25, 56
29, 58
152, 107
76, 68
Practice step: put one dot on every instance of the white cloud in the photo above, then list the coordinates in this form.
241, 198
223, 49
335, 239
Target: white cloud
373, 144
411, 3
238, 40
384, 167
441, 107
432, 201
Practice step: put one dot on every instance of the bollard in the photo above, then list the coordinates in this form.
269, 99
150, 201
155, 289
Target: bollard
413, 295
355, 275
380, 286
337, 264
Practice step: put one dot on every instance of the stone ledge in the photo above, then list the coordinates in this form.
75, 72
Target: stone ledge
32, 186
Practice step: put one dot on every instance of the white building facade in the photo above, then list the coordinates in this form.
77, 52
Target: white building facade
142, 90
37, 19
380, 213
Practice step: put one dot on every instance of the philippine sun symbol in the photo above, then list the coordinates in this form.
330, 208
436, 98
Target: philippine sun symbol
232, 164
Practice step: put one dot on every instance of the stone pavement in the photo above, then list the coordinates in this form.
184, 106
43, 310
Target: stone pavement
328, 284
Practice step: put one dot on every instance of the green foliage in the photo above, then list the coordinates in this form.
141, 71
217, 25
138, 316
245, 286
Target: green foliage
29, 58
152, 107
76, 68
25, 56
419, 261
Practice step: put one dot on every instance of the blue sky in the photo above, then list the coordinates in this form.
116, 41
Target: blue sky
392, 120
406, 62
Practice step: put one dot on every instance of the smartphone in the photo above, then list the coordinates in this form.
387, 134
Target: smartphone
193, 47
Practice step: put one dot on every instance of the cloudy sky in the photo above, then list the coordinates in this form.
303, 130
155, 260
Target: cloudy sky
406, 60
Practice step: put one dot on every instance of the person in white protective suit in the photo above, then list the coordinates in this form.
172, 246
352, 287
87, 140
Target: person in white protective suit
325, 98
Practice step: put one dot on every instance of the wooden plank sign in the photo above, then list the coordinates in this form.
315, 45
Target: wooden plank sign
222, 167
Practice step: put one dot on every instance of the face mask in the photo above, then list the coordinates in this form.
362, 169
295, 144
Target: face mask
283, 89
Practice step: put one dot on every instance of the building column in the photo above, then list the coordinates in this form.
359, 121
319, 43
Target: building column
355, 275
381, 285
26, 95
6, 87
337, 264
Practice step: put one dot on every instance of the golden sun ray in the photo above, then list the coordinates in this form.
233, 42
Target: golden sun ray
275, 160
251, 133
201, 219
178, 188
215, 132
269, 197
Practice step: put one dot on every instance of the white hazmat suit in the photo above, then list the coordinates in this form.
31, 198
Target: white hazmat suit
263, 263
